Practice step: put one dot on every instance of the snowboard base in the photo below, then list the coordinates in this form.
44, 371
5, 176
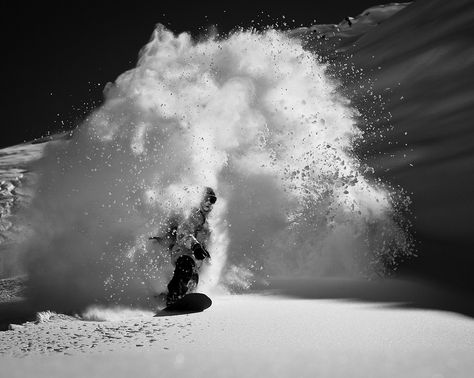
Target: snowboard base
194, 302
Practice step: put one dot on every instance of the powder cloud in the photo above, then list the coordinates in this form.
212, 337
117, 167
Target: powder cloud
254, 116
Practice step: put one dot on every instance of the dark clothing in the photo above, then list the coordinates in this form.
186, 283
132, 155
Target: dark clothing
185, 277
193, 230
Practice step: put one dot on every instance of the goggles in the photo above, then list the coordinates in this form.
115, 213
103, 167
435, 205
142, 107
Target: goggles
212, 199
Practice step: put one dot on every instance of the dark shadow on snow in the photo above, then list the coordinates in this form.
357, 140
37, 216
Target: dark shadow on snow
408, 294
162, 313
395, 293
18, 311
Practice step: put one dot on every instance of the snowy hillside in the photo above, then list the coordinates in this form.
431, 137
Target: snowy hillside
418, 63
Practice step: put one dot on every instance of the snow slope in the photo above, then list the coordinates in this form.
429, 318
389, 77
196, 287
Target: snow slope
17, 181
418, 63
249, 335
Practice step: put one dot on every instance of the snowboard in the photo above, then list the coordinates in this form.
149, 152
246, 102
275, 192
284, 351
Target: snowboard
194, 302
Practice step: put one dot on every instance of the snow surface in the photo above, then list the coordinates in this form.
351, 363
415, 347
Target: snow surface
249, 335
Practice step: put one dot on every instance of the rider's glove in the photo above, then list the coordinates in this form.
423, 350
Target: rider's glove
200, 252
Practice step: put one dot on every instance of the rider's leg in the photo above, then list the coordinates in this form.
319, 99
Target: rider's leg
183, 273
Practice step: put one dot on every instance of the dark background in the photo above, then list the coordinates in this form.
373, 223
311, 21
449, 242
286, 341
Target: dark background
58, 58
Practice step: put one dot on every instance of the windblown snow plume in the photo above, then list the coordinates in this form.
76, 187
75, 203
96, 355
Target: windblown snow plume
252, 115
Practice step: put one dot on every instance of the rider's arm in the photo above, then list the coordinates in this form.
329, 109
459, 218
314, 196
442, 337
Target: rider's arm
186, 230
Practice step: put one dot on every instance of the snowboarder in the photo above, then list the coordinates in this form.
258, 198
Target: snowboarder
189, 248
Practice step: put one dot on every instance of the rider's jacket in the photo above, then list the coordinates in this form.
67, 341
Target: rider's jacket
193, 229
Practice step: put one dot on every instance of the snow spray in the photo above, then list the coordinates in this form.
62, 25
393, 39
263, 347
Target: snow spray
253, 115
